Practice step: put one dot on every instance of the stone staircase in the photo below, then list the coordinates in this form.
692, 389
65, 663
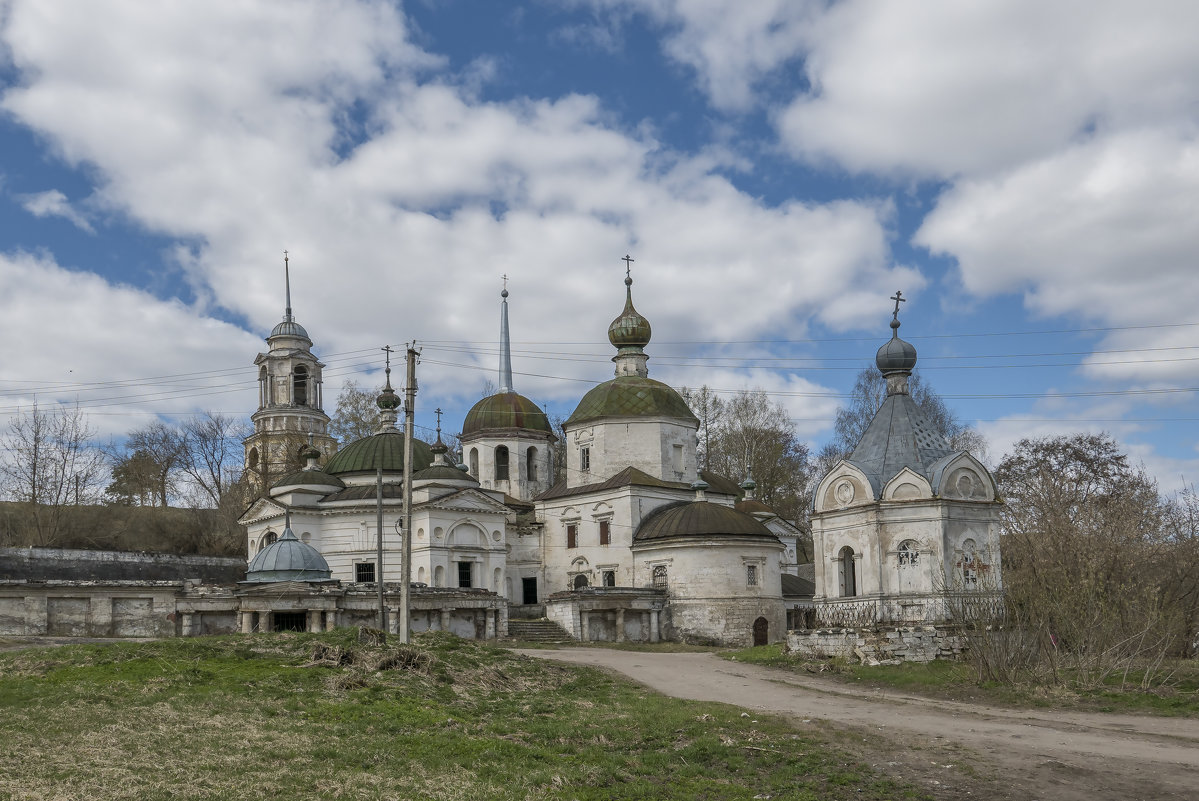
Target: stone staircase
542, 630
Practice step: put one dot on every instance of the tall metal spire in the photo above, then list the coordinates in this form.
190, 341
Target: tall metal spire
505, 343
287, 317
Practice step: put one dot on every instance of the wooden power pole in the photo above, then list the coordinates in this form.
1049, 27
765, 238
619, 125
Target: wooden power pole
409, 425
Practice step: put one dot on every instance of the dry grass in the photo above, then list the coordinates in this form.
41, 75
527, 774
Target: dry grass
323, 716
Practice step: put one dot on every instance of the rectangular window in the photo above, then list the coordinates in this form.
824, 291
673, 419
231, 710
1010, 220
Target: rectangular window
464, 574
751, 575
605, 532
585, 459
572, 535
364, 572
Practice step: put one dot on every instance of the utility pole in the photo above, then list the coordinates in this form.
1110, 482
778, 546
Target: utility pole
379, 547
409, 425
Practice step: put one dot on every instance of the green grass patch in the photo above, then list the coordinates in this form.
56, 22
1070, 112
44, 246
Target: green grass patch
321, 716
956, 681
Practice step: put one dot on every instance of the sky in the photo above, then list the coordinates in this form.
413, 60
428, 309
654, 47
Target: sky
1026, 173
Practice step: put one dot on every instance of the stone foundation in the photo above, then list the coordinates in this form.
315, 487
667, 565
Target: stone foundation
879, 645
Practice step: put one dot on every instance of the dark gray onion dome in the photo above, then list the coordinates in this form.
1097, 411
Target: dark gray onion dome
288, 559
896, 356
289, 328
699, 519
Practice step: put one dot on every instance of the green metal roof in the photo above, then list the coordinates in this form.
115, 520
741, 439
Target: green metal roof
443, 472
288, 559
698, 519
384, 450
632, 396
318, 478
505, 410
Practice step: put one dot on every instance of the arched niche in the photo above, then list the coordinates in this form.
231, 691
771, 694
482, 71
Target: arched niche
844, 486
466, 535
908, 485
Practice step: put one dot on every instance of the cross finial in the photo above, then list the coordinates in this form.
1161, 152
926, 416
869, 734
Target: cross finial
505, 277
898, 298
287, 284
387, 356
628, 265
438, 413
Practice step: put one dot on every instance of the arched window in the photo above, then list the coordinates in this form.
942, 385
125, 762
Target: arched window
501, 463
252, 459
299, 394
580, 581
270, 538
847, 573
474, 462
660, 577
907, 555
531, 464
970, 564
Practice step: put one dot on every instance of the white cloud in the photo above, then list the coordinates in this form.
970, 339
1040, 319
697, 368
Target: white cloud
121, 353
1104, 231
53, 203
947, 88
238, 140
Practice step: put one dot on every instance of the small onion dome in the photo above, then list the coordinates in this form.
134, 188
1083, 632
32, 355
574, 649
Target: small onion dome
632, 396
388, 400
309, 453
896, 356
308, 478
289, 328
699, 519
384, 450
630, 329
749, 485
505, 410
288, 559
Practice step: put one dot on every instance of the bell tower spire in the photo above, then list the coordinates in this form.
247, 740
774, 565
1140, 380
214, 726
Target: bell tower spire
505, 343
287, 315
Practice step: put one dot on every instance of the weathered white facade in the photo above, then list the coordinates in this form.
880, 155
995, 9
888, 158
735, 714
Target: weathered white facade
906, 530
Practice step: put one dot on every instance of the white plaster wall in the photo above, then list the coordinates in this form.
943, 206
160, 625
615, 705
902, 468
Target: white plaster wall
518, 484
644, 443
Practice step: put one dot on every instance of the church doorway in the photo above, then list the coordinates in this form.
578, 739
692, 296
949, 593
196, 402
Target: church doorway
761, 631
528, 587
290, 621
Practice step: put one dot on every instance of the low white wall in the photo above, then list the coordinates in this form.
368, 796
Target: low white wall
905, 644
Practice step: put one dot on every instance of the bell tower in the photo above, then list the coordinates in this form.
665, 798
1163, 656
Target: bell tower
290, 401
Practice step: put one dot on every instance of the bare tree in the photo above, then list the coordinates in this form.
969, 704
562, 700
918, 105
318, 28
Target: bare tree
212, 453
869, 392
1088, 549
709, 408
52, 464
356, 415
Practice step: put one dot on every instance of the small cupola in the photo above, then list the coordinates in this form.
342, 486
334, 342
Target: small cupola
896, 359
629, 333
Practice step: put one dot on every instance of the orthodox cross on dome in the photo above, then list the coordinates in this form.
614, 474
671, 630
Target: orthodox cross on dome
387, 357
898, 298
438, 413
505, 277
628, 266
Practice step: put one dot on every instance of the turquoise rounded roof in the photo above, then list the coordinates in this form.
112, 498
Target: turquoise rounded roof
288, 559
384, 450
632, 396
505, 410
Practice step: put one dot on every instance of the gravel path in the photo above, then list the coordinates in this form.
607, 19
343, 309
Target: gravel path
1008, 753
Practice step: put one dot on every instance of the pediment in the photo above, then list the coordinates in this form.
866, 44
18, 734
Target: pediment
467, 500
261, 509
843, 487
962, 477
908, 485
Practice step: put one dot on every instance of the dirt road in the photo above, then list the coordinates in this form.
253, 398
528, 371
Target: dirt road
1019, 754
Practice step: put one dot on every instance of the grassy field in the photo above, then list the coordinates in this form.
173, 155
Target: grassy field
956, 681
302, 716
